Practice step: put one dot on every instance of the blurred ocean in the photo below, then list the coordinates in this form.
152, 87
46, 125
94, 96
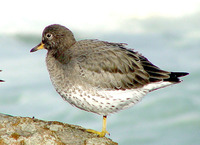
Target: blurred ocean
169, 116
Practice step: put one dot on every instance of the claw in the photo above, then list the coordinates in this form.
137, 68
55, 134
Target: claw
103, 132
100, 134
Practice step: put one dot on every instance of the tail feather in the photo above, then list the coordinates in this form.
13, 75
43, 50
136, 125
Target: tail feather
174, 76
173, 79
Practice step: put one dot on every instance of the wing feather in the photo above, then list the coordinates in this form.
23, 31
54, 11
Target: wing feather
113, 66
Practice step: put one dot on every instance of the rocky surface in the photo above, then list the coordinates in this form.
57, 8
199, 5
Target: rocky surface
31, 131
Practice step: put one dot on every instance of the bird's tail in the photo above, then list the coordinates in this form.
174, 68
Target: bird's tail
174, 76
173, 79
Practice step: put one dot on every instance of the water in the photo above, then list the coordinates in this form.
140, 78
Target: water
166, 116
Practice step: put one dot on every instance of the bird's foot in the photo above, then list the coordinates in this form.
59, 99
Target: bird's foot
100, 134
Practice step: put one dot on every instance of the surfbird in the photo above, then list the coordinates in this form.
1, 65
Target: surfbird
99, 76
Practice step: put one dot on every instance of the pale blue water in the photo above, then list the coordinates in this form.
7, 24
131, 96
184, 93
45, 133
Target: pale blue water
169, 116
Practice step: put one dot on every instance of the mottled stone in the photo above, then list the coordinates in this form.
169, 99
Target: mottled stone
31, 131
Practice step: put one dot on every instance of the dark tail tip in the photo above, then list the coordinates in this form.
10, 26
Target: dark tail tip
174, 76
179, 74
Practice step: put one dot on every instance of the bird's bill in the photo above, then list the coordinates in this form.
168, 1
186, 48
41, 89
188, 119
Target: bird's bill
38, 47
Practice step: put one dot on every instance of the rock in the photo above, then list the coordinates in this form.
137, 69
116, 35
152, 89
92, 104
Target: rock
31, 131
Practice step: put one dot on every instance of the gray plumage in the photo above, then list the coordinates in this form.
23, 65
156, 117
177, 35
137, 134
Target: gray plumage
99, 76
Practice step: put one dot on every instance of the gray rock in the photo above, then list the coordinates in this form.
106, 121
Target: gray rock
31, 131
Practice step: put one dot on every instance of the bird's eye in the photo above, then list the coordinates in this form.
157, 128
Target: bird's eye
49, 36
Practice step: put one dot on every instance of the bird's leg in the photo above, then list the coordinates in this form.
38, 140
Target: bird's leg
103, 132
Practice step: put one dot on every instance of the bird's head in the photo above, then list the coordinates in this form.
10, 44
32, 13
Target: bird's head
55, 37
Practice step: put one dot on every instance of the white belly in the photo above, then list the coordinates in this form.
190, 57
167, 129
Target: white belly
105, 102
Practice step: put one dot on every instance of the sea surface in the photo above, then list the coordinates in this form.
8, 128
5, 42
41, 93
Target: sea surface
169, 116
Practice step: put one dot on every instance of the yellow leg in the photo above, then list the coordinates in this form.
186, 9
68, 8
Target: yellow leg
103, 132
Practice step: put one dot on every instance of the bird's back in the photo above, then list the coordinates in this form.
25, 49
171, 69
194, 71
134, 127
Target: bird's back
113, 66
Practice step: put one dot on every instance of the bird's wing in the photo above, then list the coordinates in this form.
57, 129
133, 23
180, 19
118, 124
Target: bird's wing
112, 66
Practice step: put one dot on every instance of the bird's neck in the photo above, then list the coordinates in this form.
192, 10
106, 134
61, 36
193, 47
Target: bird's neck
63, 56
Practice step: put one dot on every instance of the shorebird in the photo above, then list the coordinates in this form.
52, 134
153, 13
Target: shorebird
98, 76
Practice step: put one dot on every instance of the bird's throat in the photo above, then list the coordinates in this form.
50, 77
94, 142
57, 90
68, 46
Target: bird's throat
61, 56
